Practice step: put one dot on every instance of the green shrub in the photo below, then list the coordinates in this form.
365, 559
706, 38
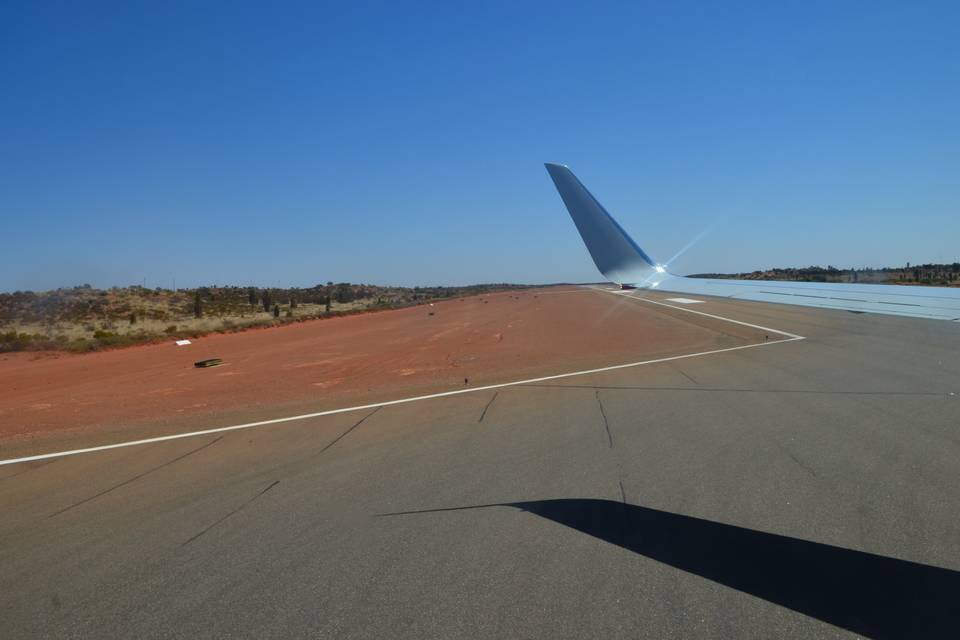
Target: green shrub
13, 341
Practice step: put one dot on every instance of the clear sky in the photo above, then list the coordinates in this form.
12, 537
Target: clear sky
402, 143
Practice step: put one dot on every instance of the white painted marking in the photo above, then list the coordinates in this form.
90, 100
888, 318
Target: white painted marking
443, 394
249, 425
182, 343
792, 336
685, 300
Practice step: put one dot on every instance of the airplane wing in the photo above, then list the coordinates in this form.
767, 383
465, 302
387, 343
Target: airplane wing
621, 261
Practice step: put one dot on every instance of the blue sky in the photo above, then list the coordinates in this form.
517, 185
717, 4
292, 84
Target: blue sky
290, 144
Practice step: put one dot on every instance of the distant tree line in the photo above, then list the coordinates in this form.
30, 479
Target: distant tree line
136, 303
947, 274
122, 316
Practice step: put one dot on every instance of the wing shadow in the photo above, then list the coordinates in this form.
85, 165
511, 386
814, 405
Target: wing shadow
872, 595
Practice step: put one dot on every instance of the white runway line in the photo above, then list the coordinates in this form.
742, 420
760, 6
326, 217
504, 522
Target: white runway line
792, 336
262, 423
685, 300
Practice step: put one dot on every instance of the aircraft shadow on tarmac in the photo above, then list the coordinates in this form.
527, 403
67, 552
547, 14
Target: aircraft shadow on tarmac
868, 594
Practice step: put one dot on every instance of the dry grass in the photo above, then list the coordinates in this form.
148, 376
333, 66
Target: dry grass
86, 319
93, 334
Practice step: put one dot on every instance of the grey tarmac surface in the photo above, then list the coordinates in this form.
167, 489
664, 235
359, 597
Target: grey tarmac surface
798, 489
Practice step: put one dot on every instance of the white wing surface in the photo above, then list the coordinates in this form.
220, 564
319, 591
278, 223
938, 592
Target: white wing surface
622, 261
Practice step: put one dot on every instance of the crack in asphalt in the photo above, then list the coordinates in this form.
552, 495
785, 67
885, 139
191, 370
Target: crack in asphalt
487, 406
342, 435
28, 469
687, 376
136, 477
270, 486
800, 463
606, 423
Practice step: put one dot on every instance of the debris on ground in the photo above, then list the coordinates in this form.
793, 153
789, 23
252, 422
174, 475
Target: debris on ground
182, 343
210, 362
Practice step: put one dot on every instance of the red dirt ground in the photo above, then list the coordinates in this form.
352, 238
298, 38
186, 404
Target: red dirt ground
49, 400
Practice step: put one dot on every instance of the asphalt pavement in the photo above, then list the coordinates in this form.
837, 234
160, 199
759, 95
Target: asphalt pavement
800, 488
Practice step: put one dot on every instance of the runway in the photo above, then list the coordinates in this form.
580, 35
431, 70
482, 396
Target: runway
798, 488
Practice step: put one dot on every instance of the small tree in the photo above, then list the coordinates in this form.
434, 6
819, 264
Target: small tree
327, 303
252, 296
133, 317
344, 293
267, 301
293, 302
197, 304
276, 311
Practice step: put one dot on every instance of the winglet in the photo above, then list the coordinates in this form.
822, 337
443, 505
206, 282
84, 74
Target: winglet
614, 252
